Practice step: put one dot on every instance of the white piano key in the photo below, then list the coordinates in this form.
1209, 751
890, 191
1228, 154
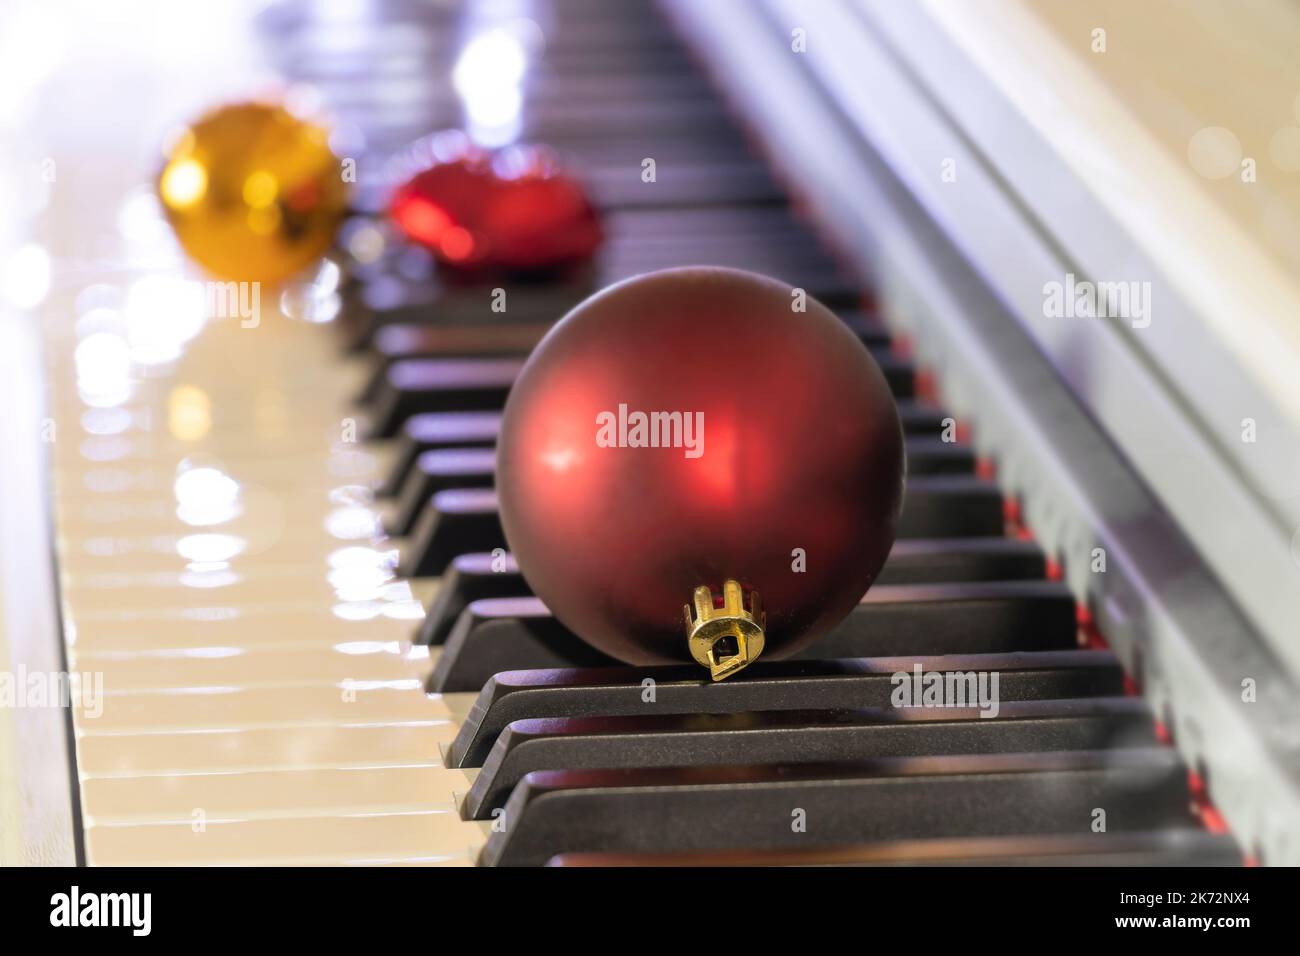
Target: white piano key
216, 666
272, 794
221, 623
258, 706
318, 747
437, 836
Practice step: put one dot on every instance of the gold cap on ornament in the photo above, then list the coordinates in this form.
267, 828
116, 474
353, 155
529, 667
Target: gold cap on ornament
727, 639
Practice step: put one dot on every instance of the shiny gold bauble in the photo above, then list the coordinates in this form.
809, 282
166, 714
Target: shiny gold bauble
254, 193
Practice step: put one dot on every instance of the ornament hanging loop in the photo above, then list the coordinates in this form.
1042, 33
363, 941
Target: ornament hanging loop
728, 639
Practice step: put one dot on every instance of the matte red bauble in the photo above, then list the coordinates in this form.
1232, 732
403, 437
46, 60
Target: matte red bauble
509, 212
691, 428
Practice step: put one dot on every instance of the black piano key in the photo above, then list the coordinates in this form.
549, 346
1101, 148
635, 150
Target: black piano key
569, 124
954, 560
962, 618
404, 285
413, 441
737, 236
920, 419
934, 506
422, 433
491, 634
678, 183
867, 327
389, 299
377, 301
672, 131
411, 386
950, 506
433, 471
353, 77
469, 577
820, 281
717, 222
684, 129
434, 338
912, 561
499, 634
765, 686
456, 521
511, 633
439, 385
622, 87
391, 293
800, 736
429, 384
1153, 848
899, 374
439, 470
421, 343
755, 807
592, 24
927, 455
428, 340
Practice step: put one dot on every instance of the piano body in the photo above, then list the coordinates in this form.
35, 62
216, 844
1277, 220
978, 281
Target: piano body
266, 546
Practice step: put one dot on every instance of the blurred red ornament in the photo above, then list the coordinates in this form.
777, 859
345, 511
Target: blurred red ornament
440, 206
779, 463
513, 211
540, 219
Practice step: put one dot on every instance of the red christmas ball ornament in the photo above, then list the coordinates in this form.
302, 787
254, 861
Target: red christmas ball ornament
540, 219
439, 207
694, 435
515, 211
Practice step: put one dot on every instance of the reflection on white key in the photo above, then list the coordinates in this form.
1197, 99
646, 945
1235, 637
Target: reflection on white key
253, 640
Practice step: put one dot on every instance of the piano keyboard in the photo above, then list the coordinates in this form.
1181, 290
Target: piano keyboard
285, 559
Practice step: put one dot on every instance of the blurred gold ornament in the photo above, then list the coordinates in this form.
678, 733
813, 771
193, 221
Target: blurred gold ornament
253, 193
